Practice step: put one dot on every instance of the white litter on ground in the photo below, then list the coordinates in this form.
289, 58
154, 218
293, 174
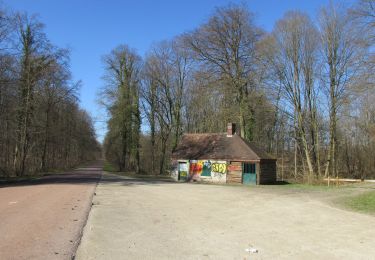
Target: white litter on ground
251, 250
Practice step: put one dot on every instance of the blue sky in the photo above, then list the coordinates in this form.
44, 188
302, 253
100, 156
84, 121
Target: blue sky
92, 28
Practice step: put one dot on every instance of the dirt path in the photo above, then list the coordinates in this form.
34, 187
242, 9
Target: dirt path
43, 219
138, 219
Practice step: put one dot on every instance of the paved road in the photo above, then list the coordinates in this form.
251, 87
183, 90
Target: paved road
147, 219
44, 218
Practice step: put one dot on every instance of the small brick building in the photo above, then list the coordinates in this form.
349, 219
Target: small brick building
221, 158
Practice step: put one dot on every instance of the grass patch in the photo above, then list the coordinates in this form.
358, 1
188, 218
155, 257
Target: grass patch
364, 202
306, 187
109, 167
316, 186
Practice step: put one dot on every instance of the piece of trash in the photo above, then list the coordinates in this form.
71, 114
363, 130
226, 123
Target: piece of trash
251, 250
12, 202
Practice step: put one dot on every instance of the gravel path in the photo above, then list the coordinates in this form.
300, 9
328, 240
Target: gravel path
144, 219
44, 218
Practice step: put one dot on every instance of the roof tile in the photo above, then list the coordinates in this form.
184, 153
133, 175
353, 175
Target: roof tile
217, 146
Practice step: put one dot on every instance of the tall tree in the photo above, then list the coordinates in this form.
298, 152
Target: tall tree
166, 72
41, 124
294, 43
342, 56
122, 101
226, 45
34, 48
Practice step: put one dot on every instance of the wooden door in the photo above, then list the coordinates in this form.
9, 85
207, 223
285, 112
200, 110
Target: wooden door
234, 174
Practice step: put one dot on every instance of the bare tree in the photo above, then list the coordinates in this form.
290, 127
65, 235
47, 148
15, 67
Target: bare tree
166, 72
273, 84
226, 44
41, 124
34, 58
342, 55
293, 61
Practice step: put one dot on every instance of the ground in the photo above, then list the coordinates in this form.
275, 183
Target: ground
136, 218
43, 218
148, 218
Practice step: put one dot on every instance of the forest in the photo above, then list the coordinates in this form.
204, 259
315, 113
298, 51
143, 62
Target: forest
303, 91
42, 127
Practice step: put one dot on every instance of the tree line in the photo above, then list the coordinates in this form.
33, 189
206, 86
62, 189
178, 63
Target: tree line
304, 91
42, 127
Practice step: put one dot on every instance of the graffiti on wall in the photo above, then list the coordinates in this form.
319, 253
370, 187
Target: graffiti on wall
219, 170
207, 168
196, 167
235, 167
219, 167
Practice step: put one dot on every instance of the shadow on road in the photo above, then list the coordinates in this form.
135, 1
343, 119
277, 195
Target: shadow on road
85, 175
128, 181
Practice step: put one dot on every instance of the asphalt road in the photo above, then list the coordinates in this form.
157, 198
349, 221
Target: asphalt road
44, 218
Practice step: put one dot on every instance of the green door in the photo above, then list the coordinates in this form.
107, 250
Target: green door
249, 175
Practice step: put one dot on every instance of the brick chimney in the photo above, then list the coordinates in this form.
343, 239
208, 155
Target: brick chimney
231, 129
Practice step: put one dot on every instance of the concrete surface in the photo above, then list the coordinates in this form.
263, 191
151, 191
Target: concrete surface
138, 219
44, 218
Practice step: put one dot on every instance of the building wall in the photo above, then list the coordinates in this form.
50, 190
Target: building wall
220, 171
208, 171
267, 172
214, 171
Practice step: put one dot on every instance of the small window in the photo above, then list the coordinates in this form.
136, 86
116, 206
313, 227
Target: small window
249, 168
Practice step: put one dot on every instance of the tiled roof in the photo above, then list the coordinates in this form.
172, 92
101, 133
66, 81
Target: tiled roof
218, 146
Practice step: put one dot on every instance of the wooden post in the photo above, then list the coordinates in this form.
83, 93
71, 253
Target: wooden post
282, 167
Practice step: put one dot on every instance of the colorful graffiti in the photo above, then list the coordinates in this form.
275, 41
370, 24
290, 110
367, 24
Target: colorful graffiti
219, 167
235, 167
183, 175
207, 168
219, 170
196, 167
